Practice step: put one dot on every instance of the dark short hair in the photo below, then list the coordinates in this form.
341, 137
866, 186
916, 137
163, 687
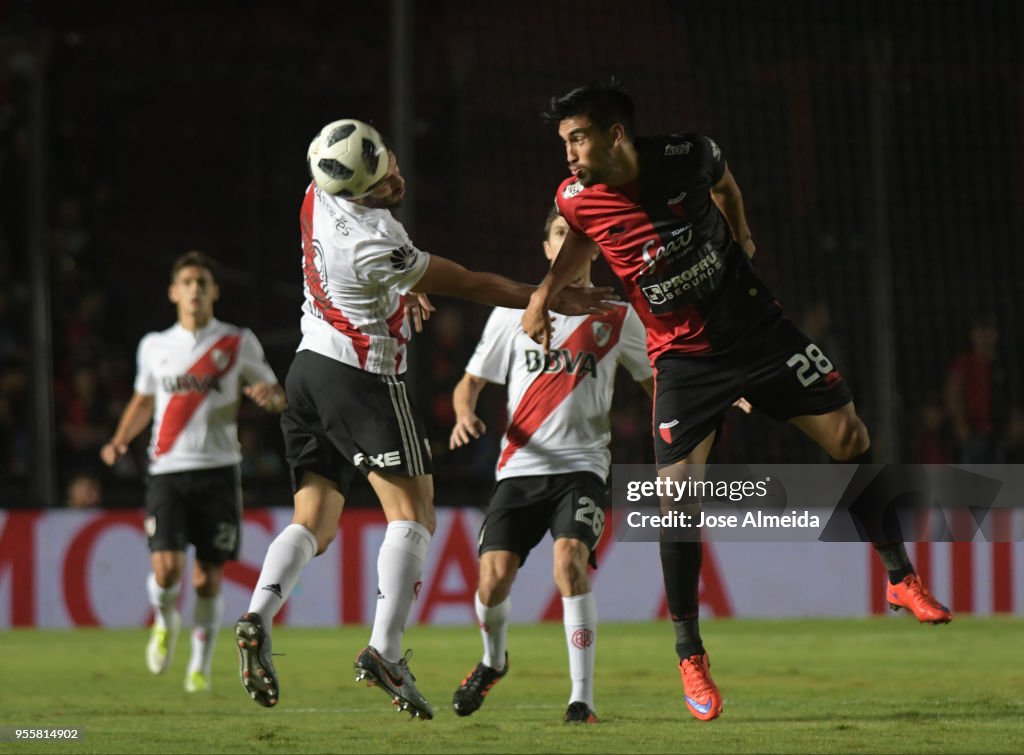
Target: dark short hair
550, 219
194, 259
604, 103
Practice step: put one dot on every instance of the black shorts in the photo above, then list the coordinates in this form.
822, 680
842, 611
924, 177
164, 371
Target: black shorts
777, 368
522, 509
202, 507
341, 419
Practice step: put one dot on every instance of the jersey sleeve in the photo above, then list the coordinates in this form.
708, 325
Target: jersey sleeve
145, 379
490, 360
712, 163
391, 260
254, 367
633, 352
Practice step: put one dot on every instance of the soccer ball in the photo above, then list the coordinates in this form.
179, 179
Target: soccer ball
347, 158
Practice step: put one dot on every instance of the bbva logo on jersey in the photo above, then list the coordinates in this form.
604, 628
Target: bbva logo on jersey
190, 383
562, 360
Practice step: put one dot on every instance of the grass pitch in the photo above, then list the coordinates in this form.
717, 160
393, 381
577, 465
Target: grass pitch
873, 685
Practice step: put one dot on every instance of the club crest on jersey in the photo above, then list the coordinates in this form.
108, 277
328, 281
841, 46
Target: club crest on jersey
602, 332
562, 360
572, 190
220, 358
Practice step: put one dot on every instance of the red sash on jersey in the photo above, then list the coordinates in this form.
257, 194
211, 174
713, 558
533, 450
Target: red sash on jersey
182, 406
552, 388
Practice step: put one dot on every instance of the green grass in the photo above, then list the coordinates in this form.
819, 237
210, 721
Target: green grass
874, 685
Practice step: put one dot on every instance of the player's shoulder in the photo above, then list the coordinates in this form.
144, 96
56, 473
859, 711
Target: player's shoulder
157, 337
678, 144
569, 190
506, 316
222, 328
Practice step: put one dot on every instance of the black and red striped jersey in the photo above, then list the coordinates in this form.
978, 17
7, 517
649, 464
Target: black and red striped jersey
667, 241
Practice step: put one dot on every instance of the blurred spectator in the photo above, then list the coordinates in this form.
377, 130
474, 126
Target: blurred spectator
933, 443
84, 492
258, 461
14, 428
974, 396
1015, 436
85, 419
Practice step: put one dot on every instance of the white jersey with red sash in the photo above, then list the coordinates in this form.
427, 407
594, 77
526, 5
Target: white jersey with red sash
197, 379
558, 404
358, 262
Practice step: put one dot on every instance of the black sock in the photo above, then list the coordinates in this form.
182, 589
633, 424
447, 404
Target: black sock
894, 555
680, 567
896, 560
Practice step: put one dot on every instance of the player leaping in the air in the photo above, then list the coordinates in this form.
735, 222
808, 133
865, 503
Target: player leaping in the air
552, 470
668, 216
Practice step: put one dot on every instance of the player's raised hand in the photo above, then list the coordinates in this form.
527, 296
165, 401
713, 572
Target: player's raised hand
267, 396
417, 310
467, 428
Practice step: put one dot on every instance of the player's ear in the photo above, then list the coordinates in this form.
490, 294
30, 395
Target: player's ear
172, 295
618, 132
215, 294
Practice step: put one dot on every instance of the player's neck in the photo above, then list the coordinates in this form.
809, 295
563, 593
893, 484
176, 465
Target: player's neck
628, 167
194, 323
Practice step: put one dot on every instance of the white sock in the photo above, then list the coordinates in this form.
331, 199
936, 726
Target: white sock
286, 557
494, 630
163, 599
399, 569
580, 616
205, 623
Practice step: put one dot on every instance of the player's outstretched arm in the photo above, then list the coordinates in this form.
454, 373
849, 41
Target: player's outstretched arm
726, 194
468, 426
134, 419
575, 252
267, 396
451, 279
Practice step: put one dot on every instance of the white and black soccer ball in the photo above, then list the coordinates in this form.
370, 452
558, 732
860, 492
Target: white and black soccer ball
347, 158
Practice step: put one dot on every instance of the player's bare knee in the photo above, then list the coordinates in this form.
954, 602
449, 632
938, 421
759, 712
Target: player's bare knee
167, 570
206, 580
570, 566
497, 573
